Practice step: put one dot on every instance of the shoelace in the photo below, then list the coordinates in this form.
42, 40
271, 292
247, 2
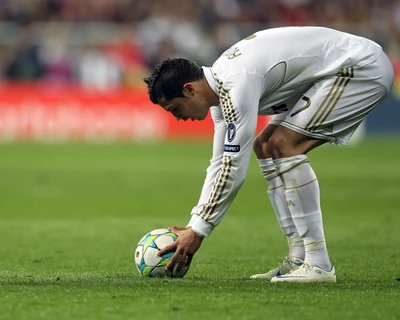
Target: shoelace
286, 260
303, 266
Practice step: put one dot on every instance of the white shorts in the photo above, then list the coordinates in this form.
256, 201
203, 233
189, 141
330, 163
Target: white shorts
333, 107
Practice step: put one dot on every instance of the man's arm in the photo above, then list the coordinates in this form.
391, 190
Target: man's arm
189, 240
215, 164
233, 142
239, 107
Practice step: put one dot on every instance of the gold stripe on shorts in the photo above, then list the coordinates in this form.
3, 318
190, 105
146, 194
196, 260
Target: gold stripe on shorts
331, 99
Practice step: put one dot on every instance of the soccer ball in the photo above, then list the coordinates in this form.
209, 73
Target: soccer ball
146, 259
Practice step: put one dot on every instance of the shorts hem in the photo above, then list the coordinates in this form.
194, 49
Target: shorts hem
304, 132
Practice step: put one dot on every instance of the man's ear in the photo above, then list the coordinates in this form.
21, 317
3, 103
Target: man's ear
188, 90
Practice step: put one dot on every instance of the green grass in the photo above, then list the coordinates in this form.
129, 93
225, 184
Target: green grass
71, 215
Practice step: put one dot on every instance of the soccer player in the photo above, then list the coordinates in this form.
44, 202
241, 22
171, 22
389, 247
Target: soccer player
319, 84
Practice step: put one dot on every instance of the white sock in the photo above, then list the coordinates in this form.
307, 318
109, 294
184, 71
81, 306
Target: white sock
316, 253
278, 201
303, 199
296, 246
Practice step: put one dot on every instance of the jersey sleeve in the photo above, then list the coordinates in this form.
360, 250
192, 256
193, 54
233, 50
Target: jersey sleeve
235, 126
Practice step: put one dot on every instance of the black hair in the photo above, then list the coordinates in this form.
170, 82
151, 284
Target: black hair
168, 78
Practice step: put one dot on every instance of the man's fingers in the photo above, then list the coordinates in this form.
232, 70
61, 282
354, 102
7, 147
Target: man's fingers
167, 249
177, 230
171, 263
189, 260
182, 261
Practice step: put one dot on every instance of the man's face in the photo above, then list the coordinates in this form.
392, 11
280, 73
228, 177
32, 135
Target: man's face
191, 107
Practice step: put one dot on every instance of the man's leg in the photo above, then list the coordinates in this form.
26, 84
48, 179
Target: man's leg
301, 191
276, 195
331, 110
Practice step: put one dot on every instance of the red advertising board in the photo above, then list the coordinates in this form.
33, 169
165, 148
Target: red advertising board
53, 112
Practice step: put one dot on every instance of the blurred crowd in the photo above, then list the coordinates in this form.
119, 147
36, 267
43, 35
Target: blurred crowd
106, 43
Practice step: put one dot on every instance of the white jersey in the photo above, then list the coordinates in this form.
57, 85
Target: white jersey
265, 74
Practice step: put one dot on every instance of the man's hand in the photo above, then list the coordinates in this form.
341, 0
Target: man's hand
185, 247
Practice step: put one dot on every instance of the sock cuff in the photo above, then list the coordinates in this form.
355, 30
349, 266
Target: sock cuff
285, 164
268, 168
312, 245
295, 240
266, 162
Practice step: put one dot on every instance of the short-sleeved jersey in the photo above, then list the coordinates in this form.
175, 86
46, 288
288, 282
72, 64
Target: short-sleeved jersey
264, 74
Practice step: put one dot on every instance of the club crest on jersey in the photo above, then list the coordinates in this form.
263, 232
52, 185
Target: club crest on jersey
231, 132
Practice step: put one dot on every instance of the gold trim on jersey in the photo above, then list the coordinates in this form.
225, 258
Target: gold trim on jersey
226, 102
250, 37
331, 99
218, 188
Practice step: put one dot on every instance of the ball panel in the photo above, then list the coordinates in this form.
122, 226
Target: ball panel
163, 240
159, 231
158, 272
150, 257
141, 266
168, 255
171, 234
149, 242
147, 270
164, 262
138, 254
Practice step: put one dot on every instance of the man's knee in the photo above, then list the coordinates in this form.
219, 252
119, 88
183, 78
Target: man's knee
260, 144
279, 146
260, 147
286, 143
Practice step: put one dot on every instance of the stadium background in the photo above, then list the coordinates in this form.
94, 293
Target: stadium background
72, 69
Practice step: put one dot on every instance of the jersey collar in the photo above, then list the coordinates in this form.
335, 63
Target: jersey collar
208, 74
